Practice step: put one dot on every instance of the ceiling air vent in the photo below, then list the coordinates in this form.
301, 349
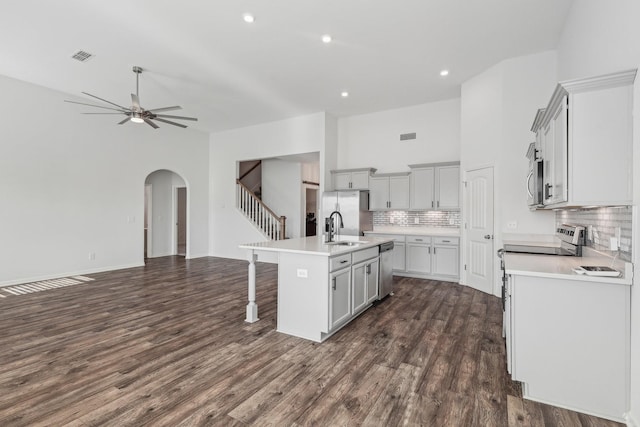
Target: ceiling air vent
407, 136
82, 56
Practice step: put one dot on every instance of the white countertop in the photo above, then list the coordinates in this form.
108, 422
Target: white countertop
315, 245
420, 231
561, 267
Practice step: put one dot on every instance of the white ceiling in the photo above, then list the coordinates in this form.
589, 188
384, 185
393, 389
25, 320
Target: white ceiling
201, 54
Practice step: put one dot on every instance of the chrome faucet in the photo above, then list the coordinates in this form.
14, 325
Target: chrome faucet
330, 228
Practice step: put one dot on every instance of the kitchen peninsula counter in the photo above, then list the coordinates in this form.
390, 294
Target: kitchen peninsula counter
562, 267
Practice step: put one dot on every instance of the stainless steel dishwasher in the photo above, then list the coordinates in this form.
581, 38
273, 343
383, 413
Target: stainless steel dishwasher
385, 283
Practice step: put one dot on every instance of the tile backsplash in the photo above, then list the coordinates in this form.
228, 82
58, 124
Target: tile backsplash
436, 219
603, 222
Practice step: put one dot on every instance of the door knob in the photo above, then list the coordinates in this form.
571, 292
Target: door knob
488, 236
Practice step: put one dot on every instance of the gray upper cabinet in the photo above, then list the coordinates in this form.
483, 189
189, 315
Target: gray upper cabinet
435, 186
351, 179
586, 141
389, 191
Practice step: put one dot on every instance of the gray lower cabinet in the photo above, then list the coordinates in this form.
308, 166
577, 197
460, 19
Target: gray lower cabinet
434, 257
418, 254
399, 256
446, 257
365, 284
340, 301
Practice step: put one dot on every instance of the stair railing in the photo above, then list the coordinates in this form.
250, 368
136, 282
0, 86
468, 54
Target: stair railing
271, 225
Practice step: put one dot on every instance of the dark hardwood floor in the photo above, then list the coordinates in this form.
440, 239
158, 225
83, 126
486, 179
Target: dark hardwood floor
167, 345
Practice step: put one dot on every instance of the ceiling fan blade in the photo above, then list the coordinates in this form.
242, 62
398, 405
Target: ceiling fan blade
176, 117
150, 123
124, 121
175, 107
169, 122
104, 100
135, 101
105, 113
98, 106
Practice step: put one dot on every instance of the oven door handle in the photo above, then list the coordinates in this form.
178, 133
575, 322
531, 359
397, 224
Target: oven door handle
529, 184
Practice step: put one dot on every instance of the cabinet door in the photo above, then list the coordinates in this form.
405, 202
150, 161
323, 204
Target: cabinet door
445, 260
378, 193
341, 180
399, 192
399, 257
372, 280
340, 301
560, 153
418, 258
448, 187
360, 180
359, 286
422, 184
548, 165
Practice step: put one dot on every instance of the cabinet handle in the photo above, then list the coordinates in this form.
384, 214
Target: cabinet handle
334, 283
438, 204
547, 191
418, 240
343, 261
429, 249
368, 268
432, 203
434, 251
446, 241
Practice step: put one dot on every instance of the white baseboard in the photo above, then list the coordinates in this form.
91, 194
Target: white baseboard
68, 274
631, 420
160, 255
193, 256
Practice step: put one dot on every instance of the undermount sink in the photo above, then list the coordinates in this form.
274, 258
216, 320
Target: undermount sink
343, 243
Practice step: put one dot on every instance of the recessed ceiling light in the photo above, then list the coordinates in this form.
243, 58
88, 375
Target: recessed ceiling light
248, 18
326, 38
444, 73
344, 94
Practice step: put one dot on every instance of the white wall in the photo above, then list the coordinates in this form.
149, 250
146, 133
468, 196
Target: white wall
73, 184
229, 228
163, 183
602, 37
282, 192
498, 108
373, 140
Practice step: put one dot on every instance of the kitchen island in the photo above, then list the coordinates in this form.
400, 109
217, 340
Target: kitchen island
321, 286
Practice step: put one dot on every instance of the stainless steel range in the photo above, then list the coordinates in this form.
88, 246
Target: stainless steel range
572, 239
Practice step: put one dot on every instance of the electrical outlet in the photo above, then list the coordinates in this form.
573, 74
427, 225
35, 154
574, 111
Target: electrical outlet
613, 244
92, 256
451, 221
512, 225
302, 272
416, 220
391, 220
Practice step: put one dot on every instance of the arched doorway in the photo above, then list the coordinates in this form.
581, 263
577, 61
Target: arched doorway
165, 214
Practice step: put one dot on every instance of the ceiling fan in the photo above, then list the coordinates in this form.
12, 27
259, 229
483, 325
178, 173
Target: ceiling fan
136, 113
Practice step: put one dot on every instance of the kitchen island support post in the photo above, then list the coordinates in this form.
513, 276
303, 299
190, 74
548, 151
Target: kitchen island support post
252, 307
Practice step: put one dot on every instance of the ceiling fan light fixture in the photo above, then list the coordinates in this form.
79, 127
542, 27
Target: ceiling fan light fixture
137, 118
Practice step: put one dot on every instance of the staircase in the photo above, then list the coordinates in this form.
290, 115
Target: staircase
270, 224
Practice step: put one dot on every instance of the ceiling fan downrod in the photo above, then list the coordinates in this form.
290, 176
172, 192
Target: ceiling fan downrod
138, 71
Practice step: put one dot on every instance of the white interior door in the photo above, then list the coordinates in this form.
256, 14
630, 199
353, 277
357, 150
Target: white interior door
479, 227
